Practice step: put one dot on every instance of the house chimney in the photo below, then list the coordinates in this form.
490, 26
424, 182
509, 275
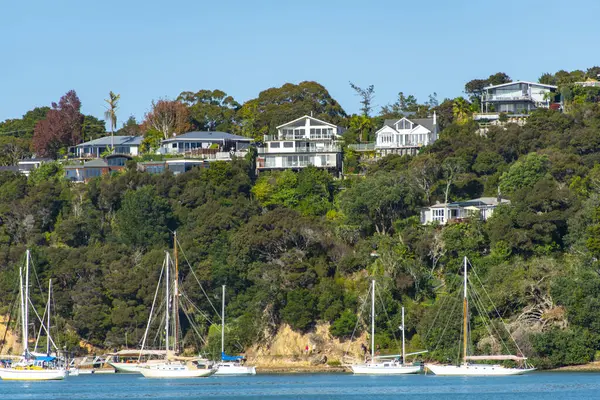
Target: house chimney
499, 196
434, 118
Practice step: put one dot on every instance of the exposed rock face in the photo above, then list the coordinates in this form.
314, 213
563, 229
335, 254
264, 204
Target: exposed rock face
288, 349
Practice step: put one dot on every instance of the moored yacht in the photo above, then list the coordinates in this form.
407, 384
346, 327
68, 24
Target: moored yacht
467, 368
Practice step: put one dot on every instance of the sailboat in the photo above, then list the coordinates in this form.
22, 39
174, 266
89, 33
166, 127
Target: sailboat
469, 369
230, 365
385, 365
32, 366
173, 366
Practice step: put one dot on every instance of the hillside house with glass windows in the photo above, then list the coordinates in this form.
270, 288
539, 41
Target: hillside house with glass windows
302, 142
405, 136
516, 99
207, 145
128, 145
482, 208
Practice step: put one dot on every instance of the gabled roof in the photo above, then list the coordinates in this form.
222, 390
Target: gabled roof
118, 141
309, 117
208, 135
517, 82
424, 122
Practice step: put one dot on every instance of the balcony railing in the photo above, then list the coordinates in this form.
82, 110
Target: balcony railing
275, 138
328, 148
524, 97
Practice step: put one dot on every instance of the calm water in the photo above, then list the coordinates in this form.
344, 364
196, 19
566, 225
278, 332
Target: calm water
580, 386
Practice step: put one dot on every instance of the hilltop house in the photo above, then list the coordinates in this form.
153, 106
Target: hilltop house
128, 145
516, 99
302, 142
405, 136
443, 213
218, 145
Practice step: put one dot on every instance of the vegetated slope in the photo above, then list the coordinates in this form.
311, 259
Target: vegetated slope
301, 248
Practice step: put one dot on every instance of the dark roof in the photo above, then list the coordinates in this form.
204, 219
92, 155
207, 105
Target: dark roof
12, 168
95, 163
208, 135
425, 122
118, 140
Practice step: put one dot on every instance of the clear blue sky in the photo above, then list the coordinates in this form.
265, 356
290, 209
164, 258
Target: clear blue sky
147, 50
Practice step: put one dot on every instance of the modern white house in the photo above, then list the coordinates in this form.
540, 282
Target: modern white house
517, 98
405, 136
302, 142
482, 207
209, 144
128, 145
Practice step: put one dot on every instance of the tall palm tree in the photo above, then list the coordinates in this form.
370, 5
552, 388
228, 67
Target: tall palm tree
461, 110
362, 125
111, 115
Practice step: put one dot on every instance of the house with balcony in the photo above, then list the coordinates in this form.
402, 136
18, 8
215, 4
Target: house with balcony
405, 136
516, 100
302, 142
127, 145
207, 145
482, 208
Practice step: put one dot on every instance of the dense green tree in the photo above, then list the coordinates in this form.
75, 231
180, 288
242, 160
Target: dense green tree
143, 219
276, 106
211, 110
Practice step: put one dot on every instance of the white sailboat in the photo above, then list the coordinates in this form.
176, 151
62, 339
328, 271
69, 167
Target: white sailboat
230, 365
469, 369
130, 361
30, 366
172, 366
385, 365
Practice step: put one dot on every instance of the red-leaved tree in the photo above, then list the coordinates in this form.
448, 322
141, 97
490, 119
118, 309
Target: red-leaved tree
61, 128
168, 117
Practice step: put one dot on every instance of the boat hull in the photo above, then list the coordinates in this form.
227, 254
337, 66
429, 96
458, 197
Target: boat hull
385, 369
11, 374
176, 371
225, 369
476, 370
128, 368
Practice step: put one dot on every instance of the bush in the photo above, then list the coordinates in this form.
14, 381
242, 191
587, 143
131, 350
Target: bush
344, 325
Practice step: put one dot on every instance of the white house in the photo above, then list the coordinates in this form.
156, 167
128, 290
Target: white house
518, 97
302, 142
128, 145
444, 213
405, 136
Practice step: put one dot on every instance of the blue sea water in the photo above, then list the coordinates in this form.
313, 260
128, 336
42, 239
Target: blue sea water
541, 385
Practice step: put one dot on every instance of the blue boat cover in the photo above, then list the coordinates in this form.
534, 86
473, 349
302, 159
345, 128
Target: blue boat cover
226, 357
45, 358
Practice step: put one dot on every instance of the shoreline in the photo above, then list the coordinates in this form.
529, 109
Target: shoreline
589, 367
300, 369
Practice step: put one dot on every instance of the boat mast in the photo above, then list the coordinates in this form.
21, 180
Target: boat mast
48, 325
22, 295
465, 314
403, 347
223, 324
168, 309
176, 295
26, 309
373, 324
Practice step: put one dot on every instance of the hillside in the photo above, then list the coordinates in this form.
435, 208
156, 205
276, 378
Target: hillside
297, 250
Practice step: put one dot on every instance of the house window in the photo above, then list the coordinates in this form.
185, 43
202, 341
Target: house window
288, 145
274, 145
174, 145
438, 214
